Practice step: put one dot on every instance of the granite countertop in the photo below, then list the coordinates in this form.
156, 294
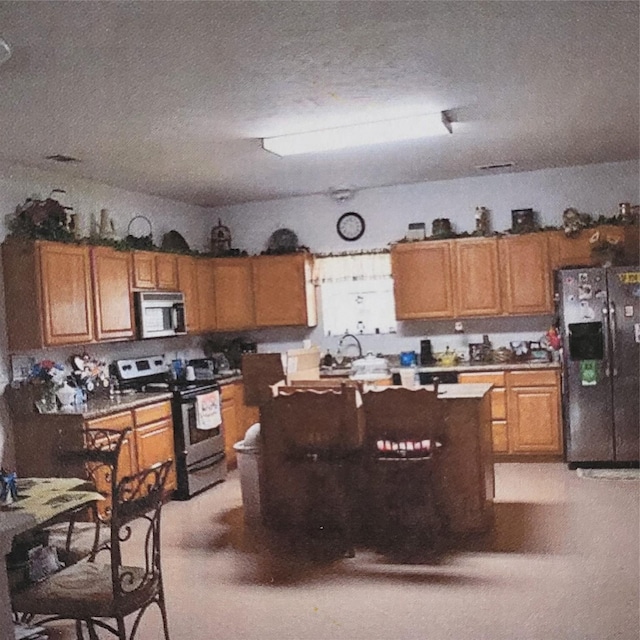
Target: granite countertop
481, 366
456, 391
99, 406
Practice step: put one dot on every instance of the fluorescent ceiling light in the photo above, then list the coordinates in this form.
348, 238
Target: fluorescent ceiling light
359, 135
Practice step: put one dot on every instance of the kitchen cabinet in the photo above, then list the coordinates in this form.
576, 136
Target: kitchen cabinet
533, 412
112, 294
525, 410
48, 294
499, 429
526, 277
150, 441
233, 285
576, 251
188, 284
127, 461
422, 279
283, 290
237, 417
476, 281
230, 422
206, 288
153, 270
154, 438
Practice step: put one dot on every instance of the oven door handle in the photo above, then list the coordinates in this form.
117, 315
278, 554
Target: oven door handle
205, 464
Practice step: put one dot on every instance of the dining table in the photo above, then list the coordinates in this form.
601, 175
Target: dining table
39, 502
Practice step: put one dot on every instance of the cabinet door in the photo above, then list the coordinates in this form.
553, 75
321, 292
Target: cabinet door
112, 293
526, 277
154, 443
188, 284
477, 278
234, 293
499, 430
422, 280
65, 282
144, 270
281, 291
167, 271
534, 421
127, 461
205, 285
230, 417
565, 252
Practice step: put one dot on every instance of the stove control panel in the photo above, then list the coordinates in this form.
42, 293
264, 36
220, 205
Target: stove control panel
132, 369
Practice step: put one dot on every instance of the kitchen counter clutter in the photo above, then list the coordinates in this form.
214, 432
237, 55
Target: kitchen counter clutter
42, 440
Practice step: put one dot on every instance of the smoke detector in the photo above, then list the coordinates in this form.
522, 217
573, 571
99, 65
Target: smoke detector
341, 195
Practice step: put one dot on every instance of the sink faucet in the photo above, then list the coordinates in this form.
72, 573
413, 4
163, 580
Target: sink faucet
355, 339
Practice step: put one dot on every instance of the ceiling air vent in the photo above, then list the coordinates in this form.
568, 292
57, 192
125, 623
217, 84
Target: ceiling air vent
496, 167
58, 157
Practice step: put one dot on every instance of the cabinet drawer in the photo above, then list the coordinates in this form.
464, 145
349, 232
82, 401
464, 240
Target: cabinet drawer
118, 421
152, 412
496, 378
531, 378
228, 391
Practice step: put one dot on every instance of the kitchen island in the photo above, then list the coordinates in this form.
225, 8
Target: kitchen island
463, 478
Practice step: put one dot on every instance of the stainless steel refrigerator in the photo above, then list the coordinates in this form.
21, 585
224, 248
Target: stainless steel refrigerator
599, 315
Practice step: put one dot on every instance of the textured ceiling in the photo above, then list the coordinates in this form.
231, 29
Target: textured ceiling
172, 98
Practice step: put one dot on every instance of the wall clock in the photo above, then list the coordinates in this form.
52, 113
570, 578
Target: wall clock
350, 226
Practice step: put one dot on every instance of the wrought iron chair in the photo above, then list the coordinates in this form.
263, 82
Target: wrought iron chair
91, 592
405, 432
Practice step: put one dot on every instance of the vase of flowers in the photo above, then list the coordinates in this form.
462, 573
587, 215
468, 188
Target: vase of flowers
51, 377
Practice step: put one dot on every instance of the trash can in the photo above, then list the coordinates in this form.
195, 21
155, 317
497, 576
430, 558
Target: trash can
248, 456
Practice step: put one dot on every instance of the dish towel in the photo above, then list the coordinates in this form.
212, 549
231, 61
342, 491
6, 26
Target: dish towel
208, 415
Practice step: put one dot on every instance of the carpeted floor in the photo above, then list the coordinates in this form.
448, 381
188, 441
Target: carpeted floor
561, 563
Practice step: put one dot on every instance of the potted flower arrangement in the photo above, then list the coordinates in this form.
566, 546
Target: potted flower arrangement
52, 377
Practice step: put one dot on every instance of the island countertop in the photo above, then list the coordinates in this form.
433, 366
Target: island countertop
456, 391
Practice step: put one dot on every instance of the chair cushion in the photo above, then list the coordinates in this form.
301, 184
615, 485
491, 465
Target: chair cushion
85, 590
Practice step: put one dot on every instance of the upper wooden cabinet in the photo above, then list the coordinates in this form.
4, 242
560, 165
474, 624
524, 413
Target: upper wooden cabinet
48, 296
234, 293
526, 276
422, 279
576, 251
476, 277
111, 272
153, 270
188, 284
205, 285
283, 290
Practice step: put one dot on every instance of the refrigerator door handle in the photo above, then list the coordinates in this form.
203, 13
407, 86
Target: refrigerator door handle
607, 340
613, 328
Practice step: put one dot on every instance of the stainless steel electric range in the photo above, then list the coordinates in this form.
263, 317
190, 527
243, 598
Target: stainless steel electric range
200, 459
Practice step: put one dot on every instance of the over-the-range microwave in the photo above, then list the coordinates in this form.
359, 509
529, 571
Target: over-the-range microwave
160, 314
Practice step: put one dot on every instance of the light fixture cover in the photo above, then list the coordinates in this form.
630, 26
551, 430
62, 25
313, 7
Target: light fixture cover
358, 135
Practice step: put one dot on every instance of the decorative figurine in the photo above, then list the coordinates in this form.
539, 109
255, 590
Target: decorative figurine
483, 225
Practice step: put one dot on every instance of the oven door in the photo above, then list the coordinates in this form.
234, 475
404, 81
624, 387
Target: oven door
198, 443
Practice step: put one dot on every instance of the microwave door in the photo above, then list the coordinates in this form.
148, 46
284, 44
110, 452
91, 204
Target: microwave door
157, 322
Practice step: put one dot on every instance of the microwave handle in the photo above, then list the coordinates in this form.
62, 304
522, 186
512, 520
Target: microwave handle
177, 317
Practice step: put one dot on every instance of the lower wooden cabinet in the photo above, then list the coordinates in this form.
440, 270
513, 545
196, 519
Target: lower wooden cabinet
533, 401
237, 417
525, 410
